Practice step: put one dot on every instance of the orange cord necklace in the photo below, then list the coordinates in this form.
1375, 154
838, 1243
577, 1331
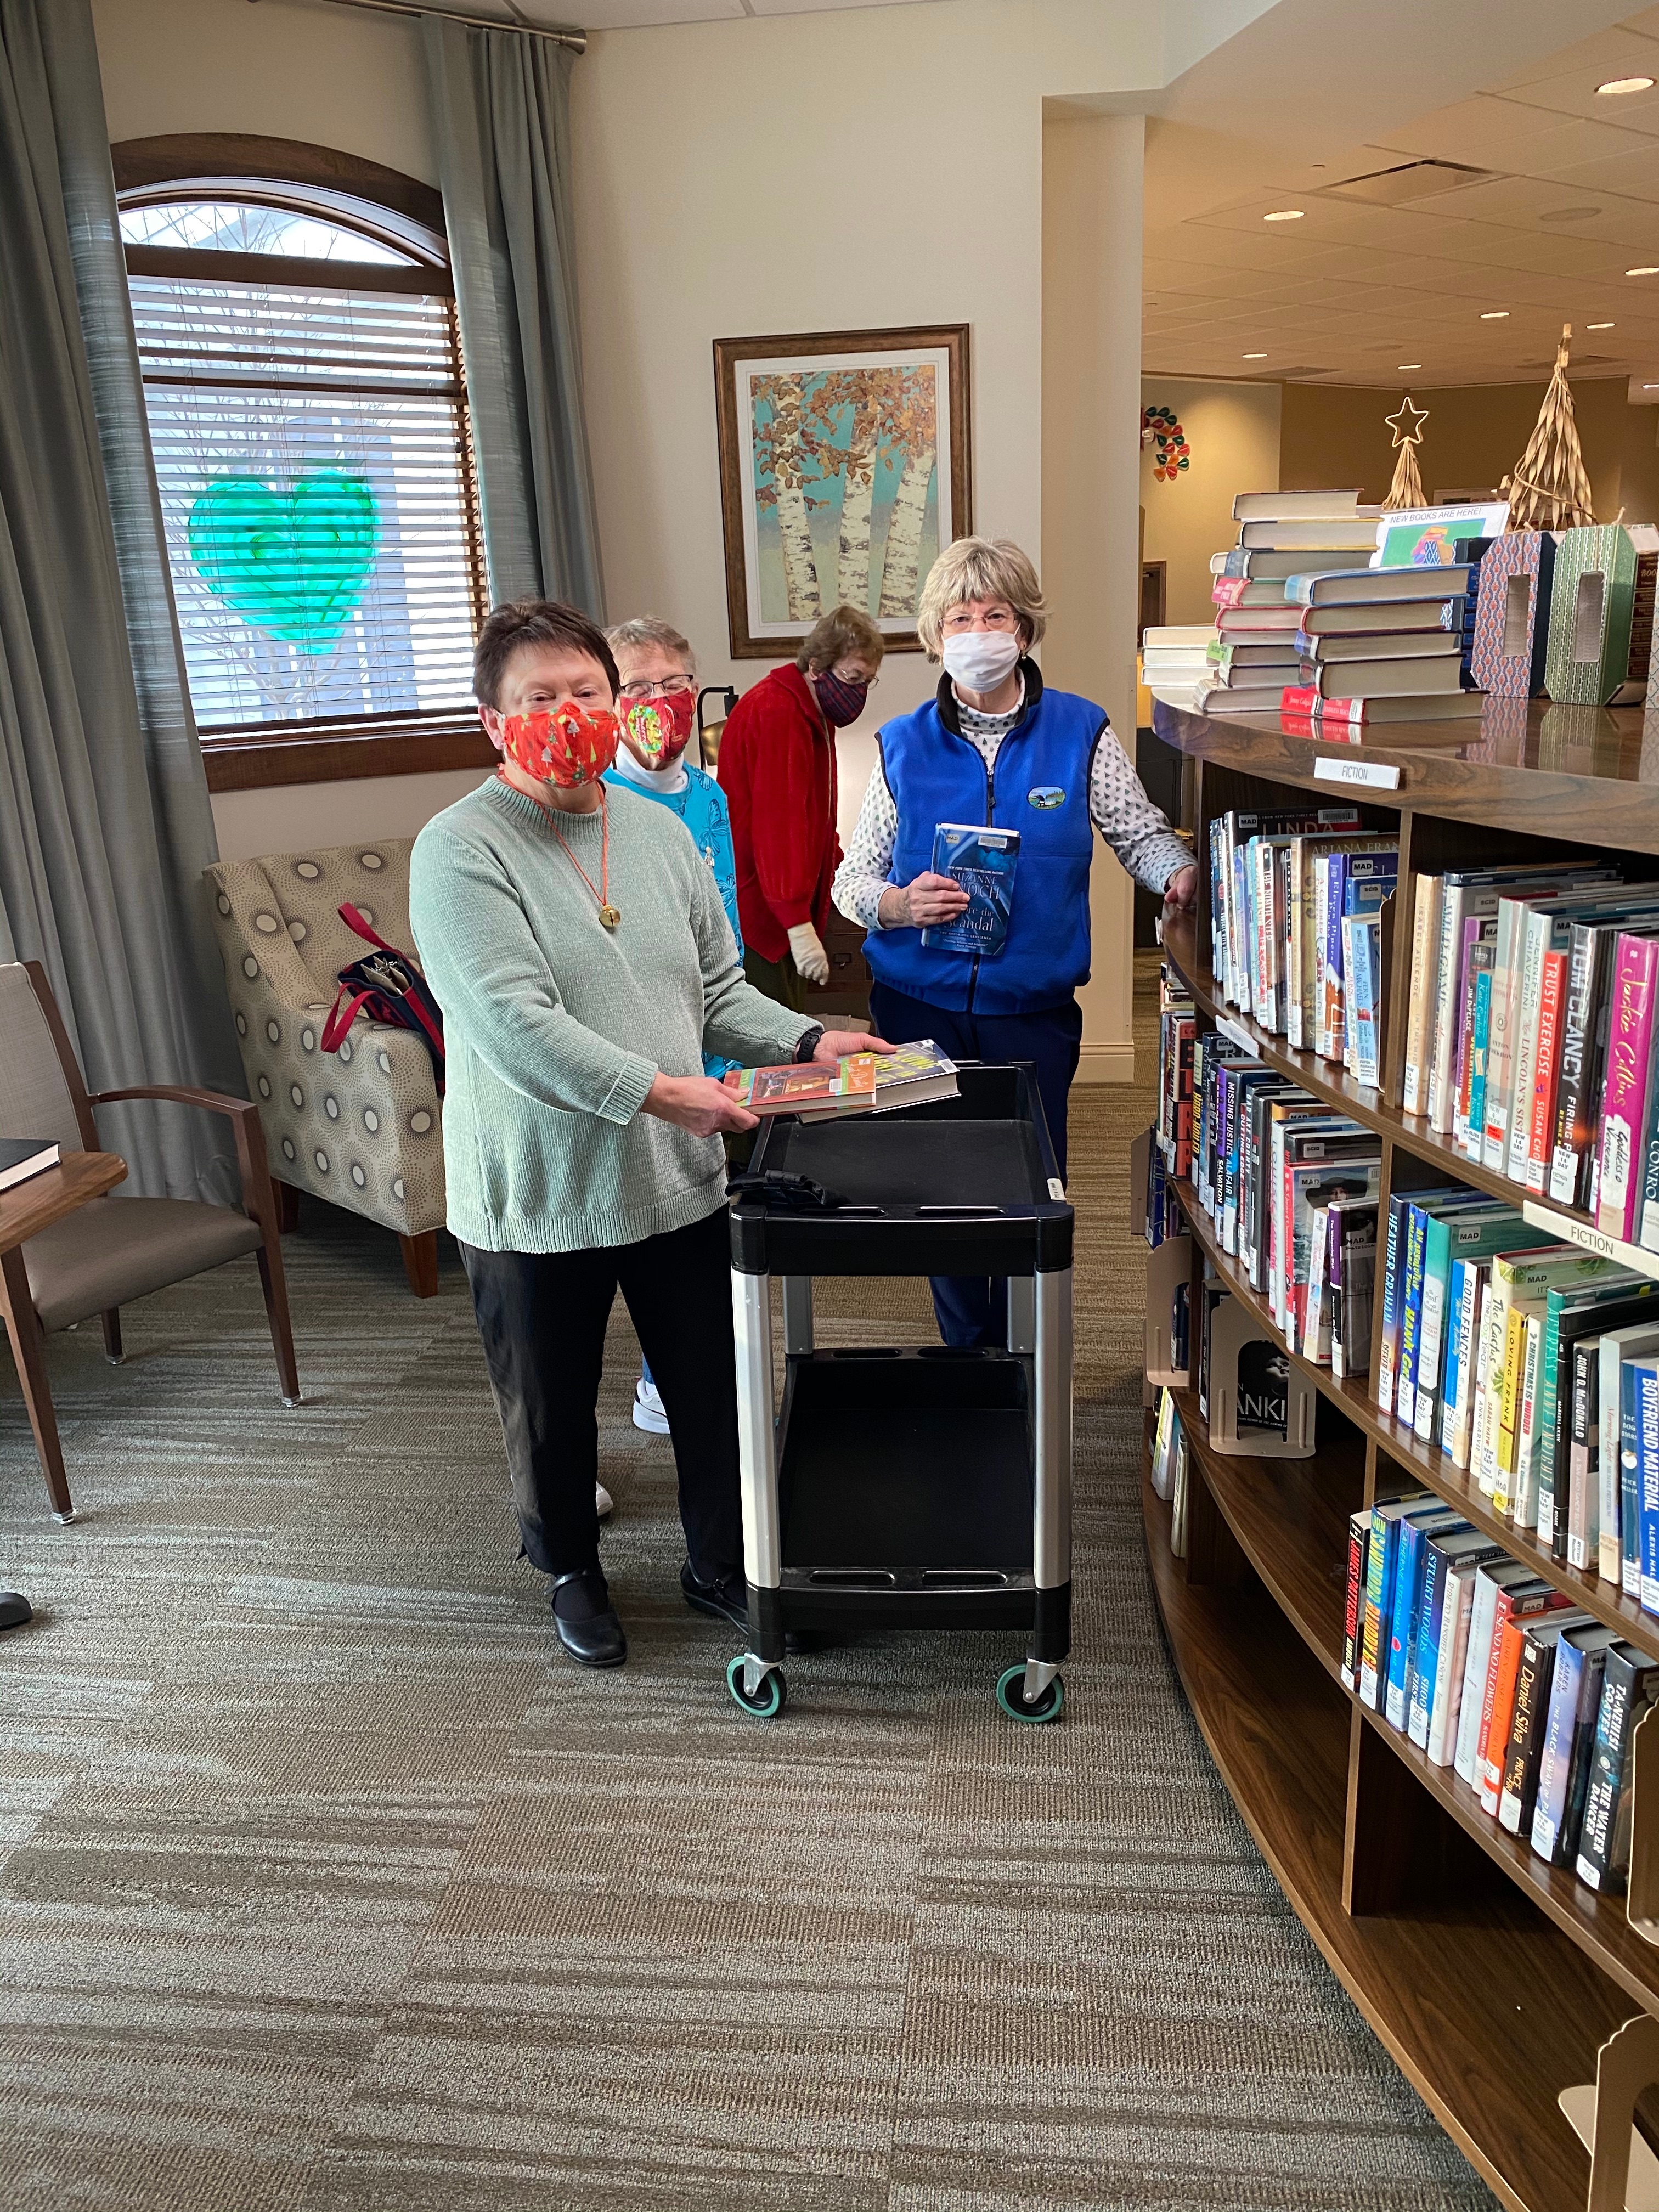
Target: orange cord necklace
609, 914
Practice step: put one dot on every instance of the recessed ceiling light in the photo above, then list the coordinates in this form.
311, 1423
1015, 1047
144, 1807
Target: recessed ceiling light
1653, 271
1408, 364
1615, 85
1253, 357
1599, 326
1501, 314
1285, 215
1568, 214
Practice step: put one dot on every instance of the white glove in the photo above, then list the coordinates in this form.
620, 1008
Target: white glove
806, 951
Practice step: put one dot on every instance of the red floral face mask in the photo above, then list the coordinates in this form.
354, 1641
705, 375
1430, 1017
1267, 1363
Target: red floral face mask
567, 745
661, 728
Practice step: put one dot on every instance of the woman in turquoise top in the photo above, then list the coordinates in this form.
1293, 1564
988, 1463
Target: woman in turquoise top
658, 674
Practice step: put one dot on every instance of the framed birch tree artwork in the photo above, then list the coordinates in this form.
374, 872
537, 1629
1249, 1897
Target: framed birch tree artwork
843, 471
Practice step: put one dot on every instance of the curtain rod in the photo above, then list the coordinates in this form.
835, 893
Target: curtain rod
576, 41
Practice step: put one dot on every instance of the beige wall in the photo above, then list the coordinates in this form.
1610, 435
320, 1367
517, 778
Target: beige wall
785, 206
1473, 436
1233, 430
1091, 184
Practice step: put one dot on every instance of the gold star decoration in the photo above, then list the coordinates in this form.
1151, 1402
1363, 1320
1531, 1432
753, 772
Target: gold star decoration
1405, 424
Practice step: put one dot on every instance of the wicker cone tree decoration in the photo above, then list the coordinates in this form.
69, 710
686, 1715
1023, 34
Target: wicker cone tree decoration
1406, 422
1548, 489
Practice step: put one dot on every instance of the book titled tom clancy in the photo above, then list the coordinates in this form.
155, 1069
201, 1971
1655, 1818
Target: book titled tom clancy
983, 861
849, 1087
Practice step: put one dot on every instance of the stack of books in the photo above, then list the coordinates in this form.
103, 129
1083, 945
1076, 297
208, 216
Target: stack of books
1174, 661
1382, 644
1529, 1032
1169, 1467
1295, 901
1490, 1670
1253, 654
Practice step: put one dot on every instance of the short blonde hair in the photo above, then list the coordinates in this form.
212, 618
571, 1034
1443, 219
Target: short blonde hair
981, 568
645, 630
844, 631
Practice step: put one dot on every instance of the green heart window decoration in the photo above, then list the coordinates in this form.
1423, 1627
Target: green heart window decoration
291, 563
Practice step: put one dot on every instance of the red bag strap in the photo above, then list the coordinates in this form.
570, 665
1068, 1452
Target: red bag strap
340, 1020
353, 920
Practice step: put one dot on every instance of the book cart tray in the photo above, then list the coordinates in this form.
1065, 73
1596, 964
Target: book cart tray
1493, 1979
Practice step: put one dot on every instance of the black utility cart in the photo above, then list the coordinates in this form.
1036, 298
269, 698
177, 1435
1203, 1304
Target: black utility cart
915, 1487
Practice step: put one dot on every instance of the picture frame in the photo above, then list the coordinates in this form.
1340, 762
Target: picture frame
842, 454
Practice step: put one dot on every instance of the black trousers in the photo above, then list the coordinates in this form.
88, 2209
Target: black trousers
973, 1310
542, 1316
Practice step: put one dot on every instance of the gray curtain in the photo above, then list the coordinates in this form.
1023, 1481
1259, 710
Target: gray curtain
105, 823
500, 104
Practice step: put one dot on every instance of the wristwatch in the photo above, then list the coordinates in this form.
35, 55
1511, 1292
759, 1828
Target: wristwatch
807, 1045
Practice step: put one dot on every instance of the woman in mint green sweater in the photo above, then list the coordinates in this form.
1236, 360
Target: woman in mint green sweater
574, 938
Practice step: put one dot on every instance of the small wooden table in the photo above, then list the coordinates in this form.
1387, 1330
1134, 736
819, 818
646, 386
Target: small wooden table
25, 1211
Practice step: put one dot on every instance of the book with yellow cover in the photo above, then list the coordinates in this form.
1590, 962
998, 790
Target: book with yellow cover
849, 1087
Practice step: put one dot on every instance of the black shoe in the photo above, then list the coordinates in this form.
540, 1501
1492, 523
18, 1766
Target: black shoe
586, 1621
726, 1599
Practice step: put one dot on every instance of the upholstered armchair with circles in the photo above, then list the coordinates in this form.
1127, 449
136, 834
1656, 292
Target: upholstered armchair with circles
362, 1126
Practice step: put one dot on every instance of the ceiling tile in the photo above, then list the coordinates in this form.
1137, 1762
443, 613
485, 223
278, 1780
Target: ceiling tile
1621, 50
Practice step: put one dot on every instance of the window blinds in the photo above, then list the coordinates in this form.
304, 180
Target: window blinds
310, 448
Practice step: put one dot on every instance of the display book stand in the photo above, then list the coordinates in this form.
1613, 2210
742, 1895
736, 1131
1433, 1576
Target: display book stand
1512, 1996
919, 1486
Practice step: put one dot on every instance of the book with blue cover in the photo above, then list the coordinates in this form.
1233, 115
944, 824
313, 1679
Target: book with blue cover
1415, 1527
983, 860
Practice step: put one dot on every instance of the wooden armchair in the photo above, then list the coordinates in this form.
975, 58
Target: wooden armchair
114, 1249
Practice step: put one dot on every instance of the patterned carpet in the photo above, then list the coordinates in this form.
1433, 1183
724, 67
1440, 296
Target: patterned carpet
326, 1885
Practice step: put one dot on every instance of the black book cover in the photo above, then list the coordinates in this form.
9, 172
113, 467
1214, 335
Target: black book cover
1526, 1745
1264, 1388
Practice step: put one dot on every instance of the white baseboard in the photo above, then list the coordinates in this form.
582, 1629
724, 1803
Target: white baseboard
1106, 1063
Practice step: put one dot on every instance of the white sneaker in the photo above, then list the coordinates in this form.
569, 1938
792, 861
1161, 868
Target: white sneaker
603, 1503
648, 1412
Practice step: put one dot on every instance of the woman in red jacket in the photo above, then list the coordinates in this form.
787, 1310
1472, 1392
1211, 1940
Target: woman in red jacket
777, 768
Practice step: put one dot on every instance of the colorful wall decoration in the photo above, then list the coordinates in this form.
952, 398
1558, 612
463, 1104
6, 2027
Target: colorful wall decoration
1160, 428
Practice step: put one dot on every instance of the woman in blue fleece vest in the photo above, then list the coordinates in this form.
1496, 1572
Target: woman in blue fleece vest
994, 746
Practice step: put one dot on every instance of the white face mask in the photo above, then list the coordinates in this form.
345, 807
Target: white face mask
980, 659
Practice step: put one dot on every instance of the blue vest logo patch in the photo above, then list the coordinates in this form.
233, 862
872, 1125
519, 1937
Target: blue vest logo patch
1046, 796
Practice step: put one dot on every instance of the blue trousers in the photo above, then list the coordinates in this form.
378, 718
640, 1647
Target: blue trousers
973, 1310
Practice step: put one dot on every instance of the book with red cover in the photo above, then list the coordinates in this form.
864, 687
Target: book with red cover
1515, 1606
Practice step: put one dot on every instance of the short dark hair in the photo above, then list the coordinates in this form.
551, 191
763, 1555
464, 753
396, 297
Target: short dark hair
844, 631
534, 621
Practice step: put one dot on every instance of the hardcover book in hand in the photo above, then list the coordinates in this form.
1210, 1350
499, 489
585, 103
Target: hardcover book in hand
983, 861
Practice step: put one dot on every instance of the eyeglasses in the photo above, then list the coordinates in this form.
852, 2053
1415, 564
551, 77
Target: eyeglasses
671, 687
870, 682
959, 620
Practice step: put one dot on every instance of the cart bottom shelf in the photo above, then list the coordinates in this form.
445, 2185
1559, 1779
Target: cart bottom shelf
906, 1464
1489, 2010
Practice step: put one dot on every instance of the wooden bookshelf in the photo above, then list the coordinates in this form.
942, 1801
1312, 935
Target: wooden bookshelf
1492, 1978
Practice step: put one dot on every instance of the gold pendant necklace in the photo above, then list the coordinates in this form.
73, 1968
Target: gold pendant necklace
609, 915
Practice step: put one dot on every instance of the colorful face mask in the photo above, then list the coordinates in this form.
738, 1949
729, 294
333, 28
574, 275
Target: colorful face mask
661, 728
567, 745
842, 701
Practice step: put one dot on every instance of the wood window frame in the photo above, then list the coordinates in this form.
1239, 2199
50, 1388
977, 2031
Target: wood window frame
258, 756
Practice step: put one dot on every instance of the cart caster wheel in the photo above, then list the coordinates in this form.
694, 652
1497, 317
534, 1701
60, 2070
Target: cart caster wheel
1011, 1695
768, 1701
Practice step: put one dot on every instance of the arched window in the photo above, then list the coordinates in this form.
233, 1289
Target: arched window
306, 407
